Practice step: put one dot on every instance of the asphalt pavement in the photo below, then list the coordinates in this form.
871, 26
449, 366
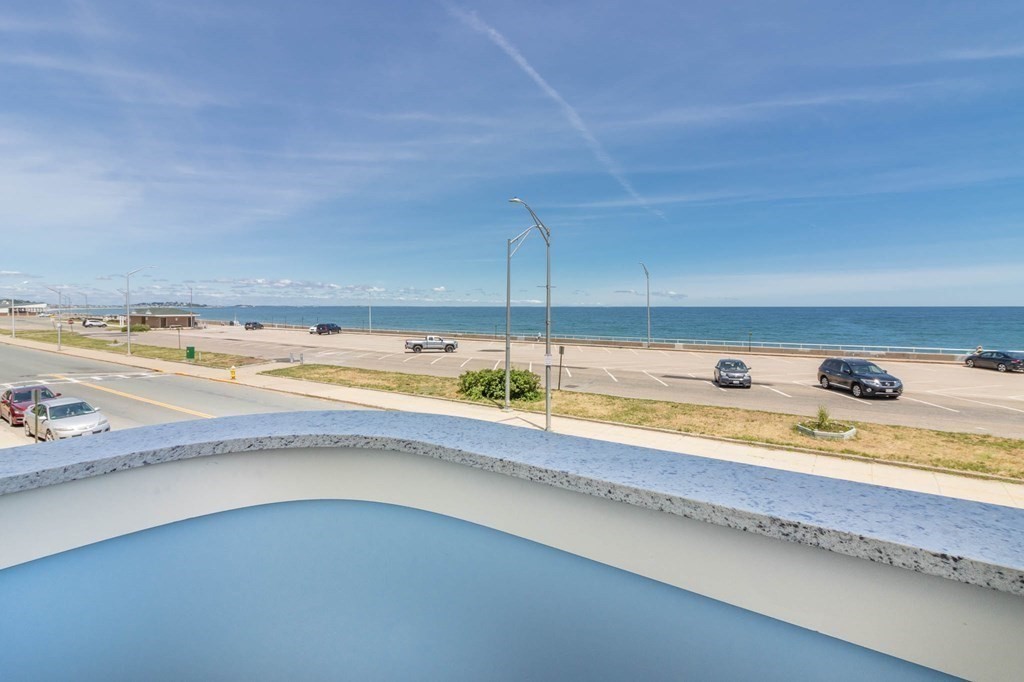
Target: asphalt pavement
942, 396
133, 397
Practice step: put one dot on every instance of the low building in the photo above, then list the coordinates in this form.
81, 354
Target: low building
21, 308
162, 318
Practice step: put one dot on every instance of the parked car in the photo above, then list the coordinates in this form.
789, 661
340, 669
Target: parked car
312, 330
14, 402
431, 343
732, 372
93, 323
997, 359
325, 328
64, 418
254, 325
861, 377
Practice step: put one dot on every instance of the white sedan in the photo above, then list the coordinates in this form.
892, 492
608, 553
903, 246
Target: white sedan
64, 418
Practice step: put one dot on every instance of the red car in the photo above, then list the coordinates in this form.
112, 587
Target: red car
15, 401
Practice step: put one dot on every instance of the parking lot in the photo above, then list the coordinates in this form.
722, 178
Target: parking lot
944, 396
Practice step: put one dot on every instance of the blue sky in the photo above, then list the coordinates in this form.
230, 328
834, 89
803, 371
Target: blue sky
750, 153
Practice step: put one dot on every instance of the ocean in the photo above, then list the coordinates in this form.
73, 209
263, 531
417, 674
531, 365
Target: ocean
927, 327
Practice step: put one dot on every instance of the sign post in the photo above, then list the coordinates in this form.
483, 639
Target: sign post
561, 354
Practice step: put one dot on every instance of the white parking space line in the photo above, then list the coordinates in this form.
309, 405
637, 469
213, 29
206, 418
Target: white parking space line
696, 355
411, 357
663, 353
692, 376
805, 383
979, 402
715, 385
439, 359
606, 350
924, 402
496, 364
324, 355
386, 356
465, 363
632, 351
778, 391
610, 374
568, 372
531, 366
654, 377
364, 355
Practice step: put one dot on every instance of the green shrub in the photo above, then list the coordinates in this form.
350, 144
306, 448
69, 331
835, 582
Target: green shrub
137, 328
824, 419
489, 384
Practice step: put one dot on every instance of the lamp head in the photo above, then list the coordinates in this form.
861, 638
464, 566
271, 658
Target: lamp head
515, 200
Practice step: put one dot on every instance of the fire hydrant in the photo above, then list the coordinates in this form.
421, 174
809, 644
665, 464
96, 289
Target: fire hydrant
232, 373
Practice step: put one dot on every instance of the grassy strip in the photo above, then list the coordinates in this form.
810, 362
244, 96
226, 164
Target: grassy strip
215, 360
957, 451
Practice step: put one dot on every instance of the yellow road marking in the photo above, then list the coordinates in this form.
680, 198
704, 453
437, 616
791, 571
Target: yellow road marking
141, 399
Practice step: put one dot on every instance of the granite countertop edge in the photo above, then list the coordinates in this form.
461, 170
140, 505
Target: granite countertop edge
687, 486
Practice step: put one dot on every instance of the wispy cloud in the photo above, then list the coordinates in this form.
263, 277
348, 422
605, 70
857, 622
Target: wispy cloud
983, 53
129, 85
714, 114
572, 116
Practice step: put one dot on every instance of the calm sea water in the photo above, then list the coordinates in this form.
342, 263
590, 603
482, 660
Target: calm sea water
929, 327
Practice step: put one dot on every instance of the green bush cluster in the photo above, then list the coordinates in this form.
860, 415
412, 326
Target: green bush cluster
489, 384
137, 328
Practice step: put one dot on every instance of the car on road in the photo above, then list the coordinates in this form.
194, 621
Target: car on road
64, 418
15, 401
1000, 360
254, 325
93, 323
861, 377
732, 372
325, 328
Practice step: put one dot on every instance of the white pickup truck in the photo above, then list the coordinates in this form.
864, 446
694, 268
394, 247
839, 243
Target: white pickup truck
431, 343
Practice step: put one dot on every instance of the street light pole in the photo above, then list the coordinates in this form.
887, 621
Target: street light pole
128, 303
11, 309
648, 275
191, 311
546, 233
59, 323
518, 241
369, 306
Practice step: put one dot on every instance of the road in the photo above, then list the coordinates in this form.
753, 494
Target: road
942, 396
131, 397
947, 397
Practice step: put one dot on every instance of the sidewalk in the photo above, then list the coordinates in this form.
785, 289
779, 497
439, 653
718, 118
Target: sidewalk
936, 483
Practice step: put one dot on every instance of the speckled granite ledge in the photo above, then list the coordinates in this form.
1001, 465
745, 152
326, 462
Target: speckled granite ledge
970, 542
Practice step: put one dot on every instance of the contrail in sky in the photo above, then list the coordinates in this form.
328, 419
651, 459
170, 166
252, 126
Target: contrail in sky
474, 22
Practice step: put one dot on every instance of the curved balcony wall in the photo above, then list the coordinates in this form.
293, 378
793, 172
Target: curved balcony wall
399, 546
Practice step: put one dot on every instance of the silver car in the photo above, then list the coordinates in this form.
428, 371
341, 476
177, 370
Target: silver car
64, 418
732, 372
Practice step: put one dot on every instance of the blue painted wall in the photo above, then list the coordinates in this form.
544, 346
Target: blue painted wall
361, 591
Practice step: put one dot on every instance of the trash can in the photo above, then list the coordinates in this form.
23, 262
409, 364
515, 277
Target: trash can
190, 352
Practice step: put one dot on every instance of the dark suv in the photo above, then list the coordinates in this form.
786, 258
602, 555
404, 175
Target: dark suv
861, 377
254, 325
328, 328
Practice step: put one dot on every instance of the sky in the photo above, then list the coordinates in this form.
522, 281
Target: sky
320, 153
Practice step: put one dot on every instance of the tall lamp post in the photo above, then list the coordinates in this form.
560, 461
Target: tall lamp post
546, 233
11, 309
191, 311
59, 322
517, 241
648, 275
369, 311
128, 303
